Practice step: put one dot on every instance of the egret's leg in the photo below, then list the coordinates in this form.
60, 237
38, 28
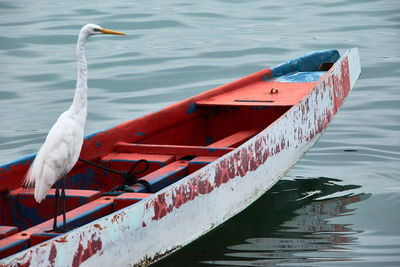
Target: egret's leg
56, 208
65, 227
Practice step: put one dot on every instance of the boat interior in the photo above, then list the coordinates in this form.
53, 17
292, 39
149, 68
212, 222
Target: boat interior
174, 142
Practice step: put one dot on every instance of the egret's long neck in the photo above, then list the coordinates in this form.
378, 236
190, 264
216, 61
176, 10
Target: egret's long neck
80, 99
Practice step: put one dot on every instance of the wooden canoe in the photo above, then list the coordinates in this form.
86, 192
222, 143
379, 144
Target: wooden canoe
210, 156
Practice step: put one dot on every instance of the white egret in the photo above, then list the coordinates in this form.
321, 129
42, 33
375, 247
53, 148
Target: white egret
63, 144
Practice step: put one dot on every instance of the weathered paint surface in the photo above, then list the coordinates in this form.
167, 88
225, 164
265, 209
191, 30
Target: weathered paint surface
143, 233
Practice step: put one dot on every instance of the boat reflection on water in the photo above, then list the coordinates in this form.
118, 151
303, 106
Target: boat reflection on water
292, 223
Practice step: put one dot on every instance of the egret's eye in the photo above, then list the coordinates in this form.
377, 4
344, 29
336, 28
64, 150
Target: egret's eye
97, 30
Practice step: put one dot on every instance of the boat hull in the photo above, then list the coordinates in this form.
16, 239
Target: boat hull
173, 217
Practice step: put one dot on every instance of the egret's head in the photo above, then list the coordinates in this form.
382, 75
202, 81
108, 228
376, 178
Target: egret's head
93, 29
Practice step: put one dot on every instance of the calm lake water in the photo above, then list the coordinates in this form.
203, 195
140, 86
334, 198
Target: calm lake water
340, 205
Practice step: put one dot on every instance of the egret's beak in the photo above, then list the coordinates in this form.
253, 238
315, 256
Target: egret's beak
107, 31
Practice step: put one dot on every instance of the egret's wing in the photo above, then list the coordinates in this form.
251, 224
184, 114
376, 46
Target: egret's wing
53, 157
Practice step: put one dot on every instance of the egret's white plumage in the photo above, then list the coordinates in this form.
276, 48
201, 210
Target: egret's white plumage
62, 147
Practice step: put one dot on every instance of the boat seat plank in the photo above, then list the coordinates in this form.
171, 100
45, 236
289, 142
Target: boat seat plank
127, 199
7, 231
163, 177
124, 161
200, 162
75, 218
259, 94
235, 139
171, 149
26, 212
13, 244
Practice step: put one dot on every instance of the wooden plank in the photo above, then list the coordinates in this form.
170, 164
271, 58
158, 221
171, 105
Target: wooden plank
235, 139
159, 159
39, 233
261, 94
124, 161
171, 149
13, 244
164, 176
127, 199
7, 231
200, 162
75, 218
27, 213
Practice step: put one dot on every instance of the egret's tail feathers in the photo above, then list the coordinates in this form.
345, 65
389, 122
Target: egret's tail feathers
29, 180
41, 191
37, 177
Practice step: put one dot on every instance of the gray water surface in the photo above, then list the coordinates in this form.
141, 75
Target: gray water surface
340, 205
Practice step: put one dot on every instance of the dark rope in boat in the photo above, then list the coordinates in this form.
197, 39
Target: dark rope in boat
129, 178
100, 166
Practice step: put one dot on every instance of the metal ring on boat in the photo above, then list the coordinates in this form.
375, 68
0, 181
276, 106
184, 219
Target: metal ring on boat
274, 90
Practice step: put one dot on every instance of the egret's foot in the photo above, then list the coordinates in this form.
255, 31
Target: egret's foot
63, 229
